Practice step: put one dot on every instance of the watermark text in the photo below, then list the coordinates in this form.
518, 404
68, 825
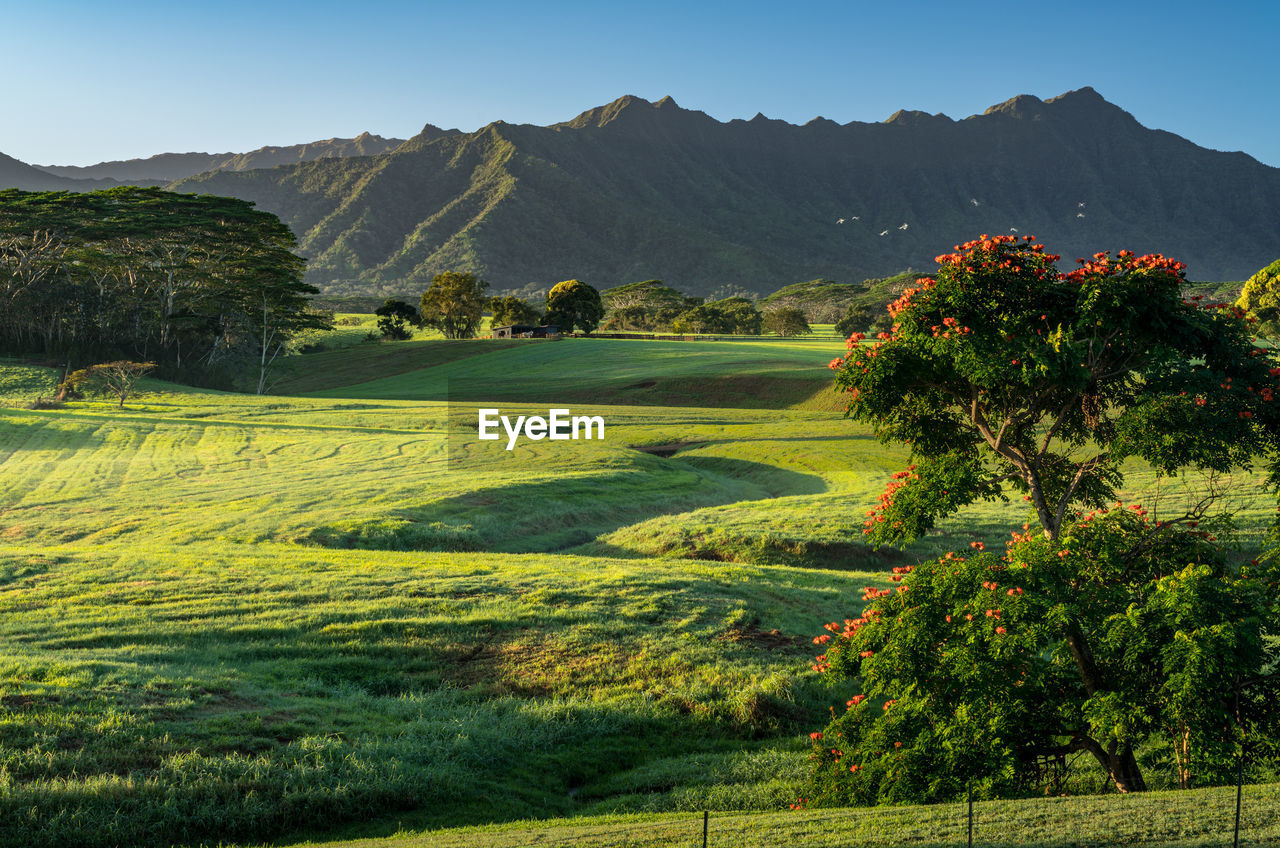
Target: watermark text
559, 425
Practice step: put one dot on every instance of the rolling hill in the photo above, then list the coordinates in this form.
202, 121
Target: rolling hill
244, 619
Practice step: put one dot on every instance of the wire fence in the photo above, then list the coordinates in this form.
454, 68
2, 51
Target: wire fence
1227, 816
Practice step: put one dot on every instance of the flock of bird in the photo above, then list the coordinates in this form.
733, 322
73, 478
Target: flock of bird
972, 200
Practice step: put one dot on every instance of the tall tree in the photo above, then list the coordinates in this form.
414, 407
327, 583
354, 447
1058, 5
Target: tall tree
1003, 374
573, 303
195, 283
395, 317
646, 305
454, 304
1260, 296
857, 318
510, 310
786, 321
730, 315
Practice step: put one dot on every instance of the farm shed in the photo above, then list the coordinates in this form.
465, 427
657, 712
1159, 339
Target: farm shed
525, 331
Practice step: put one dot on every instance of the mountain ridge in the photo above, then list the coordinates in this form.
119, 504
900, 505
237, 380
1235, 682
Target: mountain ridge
635, 189
167, 167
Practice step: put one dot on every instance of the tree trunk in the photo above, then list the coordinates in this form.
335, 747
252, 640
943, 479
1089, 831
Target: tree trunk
1125, 772
1121, 767
1182, 754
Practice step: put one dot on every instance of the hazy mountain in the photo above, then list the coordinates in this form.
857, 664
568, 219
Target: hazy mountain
635, 190
167, 167
15, 174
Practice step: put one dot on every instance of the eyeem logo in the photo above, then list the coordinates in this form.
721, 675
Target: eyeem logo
559, 425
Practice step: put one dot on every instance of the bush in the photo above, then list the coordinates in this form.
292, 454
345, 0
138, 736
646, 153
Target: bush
731, 316
786, 321
396, 318
396, 534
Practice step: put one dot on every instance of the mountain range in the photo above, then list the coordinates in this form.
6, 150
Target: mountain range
167, 167
635, 190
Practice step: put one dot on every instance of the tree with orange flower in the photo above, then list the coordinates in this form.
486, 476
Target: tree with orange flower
1101, 629
1008, 377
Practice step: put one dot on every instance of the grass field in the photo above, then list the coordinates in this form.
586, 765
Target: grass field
1197, 819
242, 619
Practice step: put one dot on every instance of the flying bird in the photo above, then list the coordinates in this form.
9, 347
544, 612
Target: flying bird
1079, 214
839, 220
855, 218
884, 233
974, 201
903, 227
1013, 229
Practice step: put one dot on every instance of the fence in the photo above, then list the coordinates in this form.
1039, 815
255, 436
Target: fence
1222, 816
719, 337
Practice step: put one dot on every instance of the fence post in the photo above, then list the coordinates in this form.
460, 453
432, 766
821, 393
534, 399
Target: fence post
706, 817
971, 812
1235, 841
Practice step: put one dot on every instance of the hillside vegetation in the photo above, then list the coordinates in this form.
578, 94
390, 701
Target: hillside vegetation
228, 618
636, 190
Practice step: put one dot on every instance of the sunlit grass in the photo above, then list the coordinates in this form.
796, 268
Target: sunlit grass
226, 617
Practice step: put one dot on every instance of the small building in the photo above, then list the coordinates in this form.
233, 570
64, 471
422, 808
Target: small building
525, 331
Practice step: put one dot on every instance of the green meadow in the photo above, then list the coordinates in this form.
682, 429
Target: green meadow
330, 614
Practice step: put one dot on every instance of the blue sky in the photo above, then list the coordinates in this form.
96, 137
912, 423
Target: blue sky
91, 81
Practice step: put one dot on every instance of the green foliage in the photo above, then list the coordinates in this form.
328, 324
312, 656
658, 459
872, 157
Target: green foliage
882, 324
204, 285
1122, 631
117, 378
571, 304
731, 316
395, 317
1261, 296
454, 304
510, 310
1017, 370
821, 301
644, 306
1102, 632
857, 318
786, 321
397, 534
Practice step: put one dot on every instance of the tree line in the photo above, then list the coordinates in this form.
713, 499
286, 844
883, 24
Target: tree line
455, 303
207, 288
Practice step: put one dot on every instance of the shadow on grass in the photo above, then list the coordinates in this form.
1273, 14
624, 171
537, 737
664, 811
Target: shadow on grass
558, 513
764, 549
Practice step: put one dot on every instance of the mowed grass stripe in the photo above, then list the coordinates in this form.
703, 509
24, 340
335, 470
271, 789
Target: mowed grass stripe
176, 666
703, 373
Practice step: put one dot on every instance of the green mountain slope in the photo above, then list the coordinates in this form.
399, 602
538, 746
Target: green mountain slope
635, 189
